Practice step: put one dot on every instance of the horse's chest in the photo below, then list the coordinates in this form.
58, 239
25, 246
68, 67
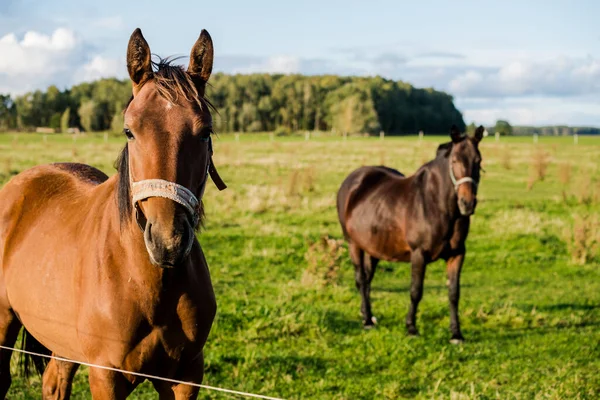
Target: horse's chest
447, 244
146, 335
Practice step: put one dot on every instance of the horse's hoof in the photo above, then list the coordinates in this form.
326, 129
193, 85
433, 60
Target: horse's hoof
412, 332
457, 340
370, 324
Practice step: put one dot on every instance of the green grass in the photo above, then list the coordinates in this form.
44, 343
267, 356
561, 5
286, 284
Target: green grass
530, 315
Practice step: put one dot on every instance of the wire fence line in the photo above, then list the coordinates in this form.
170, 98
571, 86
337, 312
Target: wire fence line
147, 376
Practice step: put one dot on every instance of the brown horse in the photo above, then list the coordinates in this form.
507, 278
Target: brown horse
419, 219
108, 270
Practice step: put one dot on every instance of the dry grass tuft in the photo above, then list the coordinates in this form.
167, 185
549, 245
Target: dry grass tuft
564, 173
324, 259
8, 166
301, 181
583, 238
564, 176
506, 159
538, 168
583, 189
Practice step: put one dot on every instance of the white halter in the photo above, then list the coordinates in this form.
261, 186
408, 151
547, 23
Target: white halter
459, 182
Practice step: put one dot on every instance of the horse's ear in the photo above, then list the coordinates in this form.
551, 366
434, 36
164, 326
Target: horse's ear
201, 59
478, 134
139, 63
455, 134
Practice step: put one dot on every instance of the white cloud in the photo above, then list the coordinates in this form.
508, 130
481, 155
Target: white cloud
101, 67
537, 110
559, 76
37, 60
36, 55
280, 64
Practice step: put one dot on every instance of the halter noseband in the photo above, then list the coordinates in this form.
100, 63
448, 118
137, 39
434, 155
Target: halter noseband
147, 188
459, 182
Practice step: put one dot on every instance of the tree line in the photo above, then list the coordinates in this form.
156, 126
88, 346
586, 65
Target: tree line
252, 103
504, 128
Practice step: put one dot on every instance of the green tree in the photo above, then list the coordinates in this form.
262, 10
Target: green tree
65, 120
471, 128
256, 102
503, 128
55, 121
87, 114
7, 112
117, 123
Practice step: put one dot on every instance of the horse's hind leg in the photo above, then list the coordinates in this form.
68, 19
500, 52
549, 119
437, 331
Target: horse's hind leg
416, 290
9, 331
363, 277
58, 379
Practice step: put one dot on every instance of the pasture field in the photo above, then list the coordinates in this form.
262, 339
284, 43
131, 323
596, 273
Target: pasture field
288, 324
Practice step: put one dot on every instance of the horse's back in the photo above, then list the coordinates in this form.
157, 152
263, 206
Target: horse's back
360, 183
370, 212
39, 191
44, 234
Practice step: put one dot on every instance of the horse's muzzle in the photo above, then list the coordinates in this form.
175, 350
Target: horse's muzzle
467, 207
168, 248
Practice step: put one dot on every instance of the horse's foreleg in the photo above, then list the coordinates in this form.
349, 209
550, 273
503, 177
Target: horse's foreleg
453, 266
192, 372
109, 385
418, 265
9, 330
58, 380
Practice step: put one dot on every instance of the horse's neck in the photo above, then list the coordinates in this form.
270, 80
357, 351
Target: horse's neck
438, 188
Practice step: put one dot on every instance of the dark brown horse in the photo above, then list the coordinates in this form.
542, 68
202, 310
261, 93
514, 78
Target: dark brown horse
108, 270
419, 219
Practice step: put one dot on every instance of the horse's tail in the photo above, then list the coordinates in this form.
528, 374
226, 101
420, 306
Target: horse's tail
30, 361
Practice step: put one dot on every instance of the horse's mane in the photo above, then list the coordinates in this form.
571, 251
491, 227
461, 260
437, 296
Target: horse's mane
123, 186
443, 150
173, 83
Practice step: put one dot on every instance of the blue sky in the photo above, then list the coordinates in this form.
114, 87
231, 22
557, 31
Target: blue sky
532, 62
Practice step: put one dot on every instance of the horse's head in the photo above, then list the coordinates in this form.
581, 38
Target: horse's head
168, 126
465, 165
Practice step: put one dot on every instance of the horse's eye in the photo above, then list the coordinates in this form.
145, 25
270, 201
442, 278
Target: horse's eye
205, 134
128, 133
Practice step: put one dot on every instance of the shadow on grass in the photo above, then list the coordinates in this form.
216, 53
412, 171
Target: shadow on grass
510, 334
406, 288
337, 322
568, 306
